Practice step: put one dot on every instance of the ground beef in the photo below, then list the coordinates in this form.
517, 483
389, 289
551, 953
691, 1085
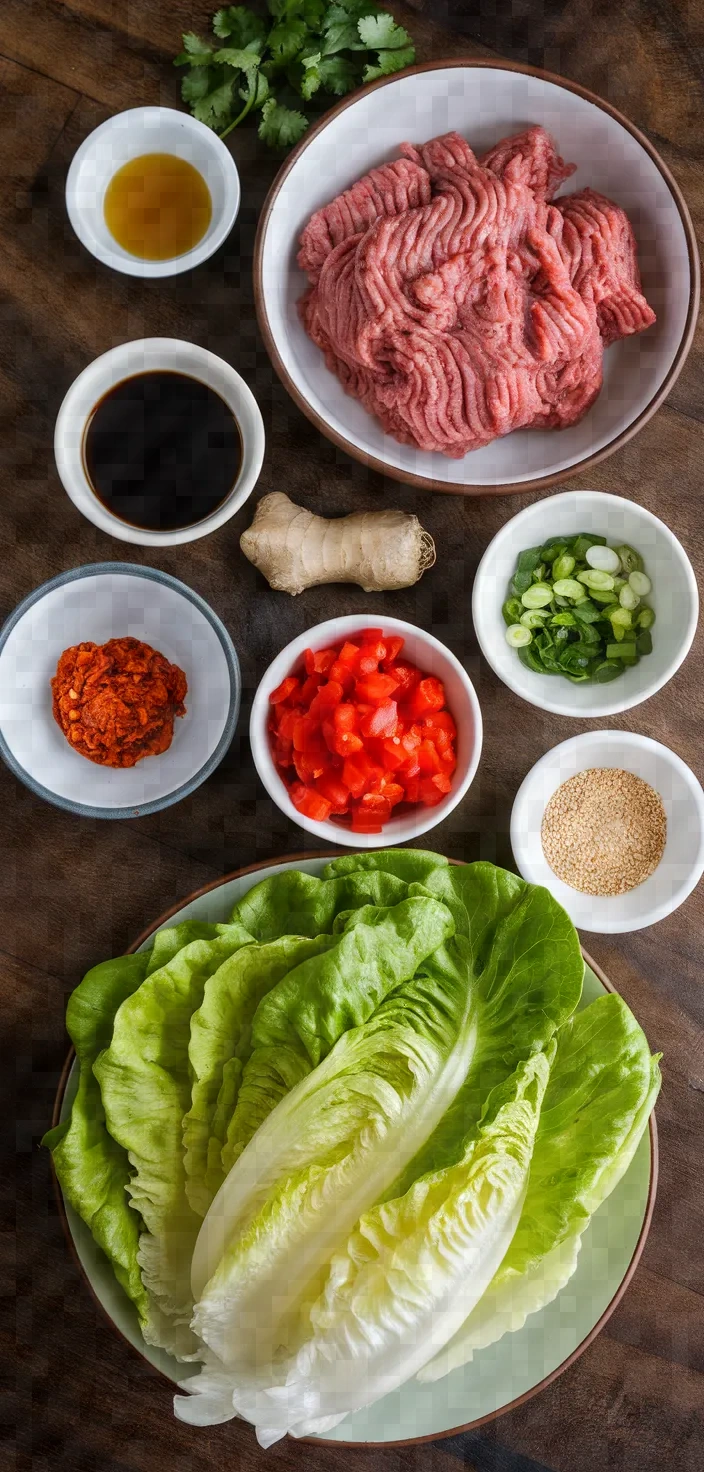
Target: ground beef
116, 702
458, 302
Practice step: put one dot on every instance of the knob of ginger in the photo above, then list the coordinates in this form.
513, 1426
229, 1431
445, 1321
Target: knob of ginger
295, 550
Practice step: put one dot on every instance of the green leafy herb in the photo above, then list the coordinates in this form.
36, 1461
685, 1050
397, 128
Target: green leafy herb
303, 49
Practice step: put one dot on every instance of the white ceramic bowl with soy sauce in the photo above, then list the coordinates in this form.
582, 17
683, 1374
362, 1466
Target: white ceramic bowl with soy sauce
141, 133
182, 484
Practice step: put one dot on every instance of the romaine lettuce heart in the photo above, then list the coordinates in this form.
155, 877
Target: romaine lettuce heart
392, 1292
602, 1089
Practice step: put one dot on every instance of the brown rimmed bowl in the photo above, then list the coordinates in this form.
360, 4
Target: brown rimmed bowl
485, 101
549, 1345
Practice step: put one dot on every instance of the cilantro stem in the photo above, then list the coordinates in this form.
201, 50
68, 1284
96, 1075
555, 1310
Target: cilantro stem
247, 108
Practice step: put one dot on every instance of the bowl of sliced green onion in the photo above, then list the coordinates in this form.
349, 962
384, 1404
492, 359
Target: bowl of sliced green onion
585, 604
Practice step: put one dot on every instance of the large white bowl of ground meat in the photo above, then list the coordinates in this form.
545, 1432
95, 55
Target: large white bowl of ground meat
476, 278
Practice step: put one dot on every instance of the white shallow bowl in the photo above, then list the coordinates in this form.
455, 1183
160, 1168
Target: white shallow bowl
498, 1377
674, 598
484, 101
150, 355
127, 136
108, 600
682, 863
432, 658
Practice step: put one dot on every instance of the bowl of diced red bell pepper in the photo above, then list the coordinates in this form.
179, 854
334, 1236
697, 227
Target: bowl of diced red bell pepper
366, 732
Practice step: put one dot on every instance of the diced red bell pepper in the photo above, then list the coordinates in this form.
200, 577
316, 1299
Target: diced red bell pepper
346, 743
430, 794
309, 765
394, 793
412, 789
370, 657
343, 675
333, 789
326, 698
428, 759
309, 689
375, 688
357, 772
349, 655
369, 636
319, 663
345, 716
439, 720
442, 782
381, 721
406, 677
393, 754
394, 645
428, 695
285, 690
310, 803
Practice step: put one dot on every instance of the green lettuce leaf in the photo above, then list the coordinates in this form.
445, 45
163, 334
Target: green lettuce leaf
220, 1045
92, 1168
394, 1290
412, 865
294, 903
327, 998
145, 1089
601, 1092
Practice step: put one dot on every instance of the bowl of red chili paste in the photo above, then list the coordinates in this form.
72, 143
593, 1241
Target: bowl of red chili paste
366, 731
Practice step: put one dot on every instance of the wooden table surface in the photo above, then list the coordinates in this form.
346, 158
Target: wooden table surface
76, 891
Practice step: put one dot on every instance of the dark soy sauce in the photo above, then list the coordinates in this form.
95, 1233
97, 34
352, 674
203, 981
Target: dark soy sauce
162, 451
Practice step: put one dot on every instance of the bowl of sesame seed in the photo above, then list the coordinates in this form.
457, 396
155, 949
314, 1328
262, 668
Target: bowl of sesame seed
612, 824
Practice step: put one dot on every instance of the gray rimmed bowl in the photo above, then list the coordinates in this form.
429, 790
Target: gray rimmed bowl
102, 601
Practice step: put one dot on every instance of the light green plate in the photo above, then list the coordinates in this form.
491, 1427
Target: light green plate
497, 1377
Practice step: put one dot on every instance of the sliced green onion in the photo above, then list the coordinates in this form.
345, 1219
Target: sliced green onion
595, 579
644, 642
628, 598
631, 561
606, 671
517, 636
640, 583
534, 618
537, 596
646, 617
563, 566
603, 559
512, 610
621, 651
569, 588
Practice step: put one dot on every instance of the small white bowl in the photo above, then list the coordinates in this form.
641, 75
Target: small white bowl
682, 863
433, 659
674, 598
149, 355
108, 600
127, 136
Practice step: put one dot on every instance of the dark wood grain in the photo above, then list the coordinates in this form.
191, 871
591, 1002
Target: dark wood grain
74, 891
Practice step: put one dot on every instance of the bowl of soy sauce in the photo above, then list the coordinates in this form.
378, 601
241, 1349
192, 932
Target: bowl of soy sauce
159, 442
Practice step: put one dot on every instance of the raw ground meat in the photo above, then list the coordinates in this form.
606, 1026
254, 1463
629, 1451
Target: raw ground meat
458, 302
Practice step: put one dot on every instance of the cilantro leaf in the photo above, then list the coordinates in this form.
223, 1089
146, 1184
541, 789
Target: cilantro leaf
239, 25
245, 60
287, 38
257, 95
311, 79
389, 62
214, 108
342, 36
338, 75
380, 32
195, 52
281, 127
196, 84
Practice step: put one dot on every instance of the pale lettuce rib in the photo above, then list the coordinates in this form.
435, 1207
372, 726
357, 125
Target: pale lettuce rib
602, 1089
145, 1088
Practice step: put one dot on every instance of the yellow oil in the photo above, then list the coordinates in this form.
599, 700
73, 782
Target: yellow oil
157, 206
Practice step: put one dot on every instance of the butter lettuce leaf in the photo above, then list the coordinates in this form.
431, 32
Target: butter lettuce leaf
601, 1092
294, 903
92, 1168
220, 1046
145, 1089
394, 1290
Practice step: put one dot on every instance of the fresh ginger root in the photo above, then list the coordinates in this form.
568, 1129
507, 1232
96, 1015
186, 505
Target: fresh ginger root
295, 550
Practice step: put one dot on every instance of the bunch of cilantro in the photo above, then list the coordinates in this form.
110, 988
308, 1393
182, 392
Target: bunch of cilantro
263, 62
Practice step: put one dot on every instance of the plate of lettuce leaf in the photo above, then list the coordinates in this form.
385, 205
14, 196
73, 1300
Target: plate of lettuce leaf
357, 1147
